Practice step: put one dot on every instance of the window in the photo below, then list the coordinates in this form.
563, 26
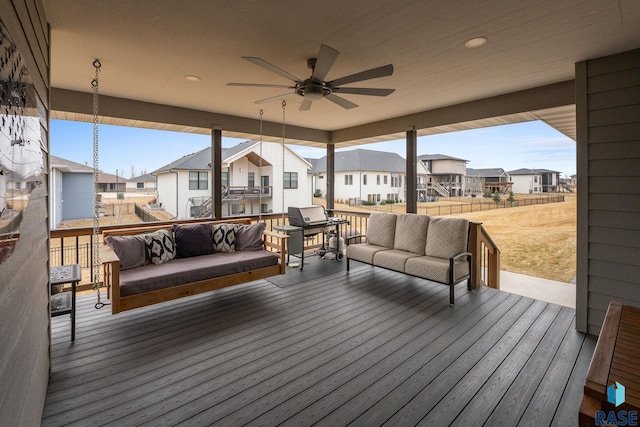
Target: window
364, 179
378, 179
139, 184
321, 177
251, 179
396, 180
348, 180
385, 179
291, 180
198, 180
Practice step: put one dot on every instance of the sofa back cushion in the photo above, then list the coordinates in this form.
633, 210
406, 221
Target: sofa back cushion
130, 249
447, 237
381, 229
411, 233
193, 239
249, 237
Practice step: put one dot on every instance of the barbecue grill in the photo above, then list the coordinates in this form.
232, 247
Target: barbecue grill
305, 222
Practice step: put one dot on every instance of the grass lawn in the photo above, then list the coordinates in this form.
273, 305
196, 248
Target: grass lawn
538, 240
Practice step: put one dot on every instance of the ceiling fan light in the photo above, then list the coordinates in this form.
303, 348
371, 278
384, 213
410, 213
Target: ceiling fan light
313, 96
475, 42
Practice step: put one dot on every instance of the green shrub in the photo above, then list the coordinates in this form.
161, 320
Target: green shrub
368, 203
317, 193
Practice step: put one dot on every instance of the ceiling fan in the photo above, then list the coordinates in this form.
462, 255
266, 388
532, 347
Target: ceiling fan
315, 87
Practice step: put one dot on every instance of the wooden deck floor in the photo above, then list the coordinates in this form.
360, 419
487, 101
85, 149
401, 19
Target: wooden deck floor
369, 348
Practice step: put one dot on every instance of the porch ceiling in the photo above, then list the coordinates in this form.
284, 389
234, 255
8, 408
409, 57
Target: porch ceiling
147, 47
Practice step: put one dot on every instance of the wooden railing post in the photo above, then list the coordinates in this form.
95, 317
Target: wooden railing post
475, 247
494, 269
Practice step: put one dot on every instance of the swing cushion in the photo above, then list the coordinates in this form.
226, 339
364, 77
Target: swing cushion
130, 249
160, 246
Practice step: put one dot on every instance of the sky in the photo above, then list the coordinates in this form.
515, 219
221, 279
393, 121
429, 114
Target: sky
510, 147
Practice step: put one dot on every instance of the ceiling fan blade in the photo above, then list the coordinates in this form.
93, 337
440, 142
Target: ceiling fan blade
273, 98
260, 85
341, 101
374, 73
305, 105
326, 57
364, 91
264, 64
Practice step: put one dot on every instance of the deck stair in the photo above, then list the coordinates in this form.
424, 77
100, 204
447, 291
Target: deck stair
441, 189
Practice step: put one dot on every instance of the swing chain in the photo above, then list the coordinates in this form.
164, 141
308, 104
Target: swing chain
96, 224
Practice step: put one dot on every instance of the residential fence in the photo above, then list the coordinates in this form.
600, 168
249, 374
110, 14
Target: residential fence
144, 215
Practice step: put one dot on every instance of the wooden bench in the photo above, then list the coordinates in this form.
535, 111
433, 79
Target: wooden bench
616, 358
274, 242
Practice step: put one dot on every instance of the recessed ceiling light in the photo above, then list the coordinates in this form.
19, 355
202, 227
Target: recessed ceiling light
475, 42
192, 78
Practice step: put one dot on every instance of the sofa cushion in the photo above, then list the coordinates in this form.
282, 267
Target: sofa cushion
411, 233
188, 270
223, 237
392, 259
363, 252
249, 237
192, 239
435, 269
381, 229
447, 237
131, 250
160, 246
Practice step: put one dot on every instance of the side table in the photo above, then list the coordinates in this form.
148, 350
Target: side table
65, 302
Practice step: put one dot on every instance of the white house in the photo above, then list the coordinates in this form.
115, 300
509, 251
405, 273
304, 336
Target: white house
526, 181
365, 175
446, 175
253, 177
142, 183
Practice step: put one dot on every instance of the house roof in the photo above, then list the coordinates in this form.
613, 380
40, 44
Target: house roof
67, 165
143, 178
485, 173
433, 70
201, 160
362, 160
439, 157
526, 171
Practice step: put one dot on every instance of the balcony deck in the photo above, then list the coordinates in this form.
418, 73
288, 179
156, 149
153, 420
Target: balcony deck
370, 348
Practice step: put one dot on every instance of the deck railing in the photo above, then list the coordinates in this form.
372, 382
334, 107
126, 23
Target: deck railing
486, 255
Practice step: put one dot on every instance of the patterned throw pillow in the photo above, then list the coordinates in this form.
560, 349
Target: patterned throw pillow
223, 237
160, 246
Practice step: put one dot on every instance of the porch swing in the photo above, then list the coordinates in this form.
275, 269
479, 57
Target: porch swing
261, 255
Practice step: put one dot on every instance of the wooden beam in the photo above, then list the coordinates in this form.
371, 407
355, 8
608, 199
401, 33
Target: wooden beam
412, 177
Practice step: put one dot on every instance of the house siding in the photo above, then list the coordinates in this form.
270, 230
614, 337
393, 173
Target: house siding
608, 151
77, 196
24, 291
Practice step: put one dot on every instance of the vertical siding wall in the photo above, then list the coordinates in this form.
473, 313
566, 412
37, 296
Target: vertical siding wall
608, 119
24, 295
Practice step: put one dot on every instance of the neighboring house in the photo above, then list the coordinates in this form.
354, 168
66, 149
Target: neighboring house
251, 183
526, 181
534, 181
447, 175
108, 183
494, 180
146, 182
365, 175
70, 190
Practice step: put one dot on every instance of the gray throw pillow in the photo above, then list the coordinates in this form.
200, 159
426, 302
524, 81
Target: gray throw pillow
192, 239
160, 246
130, 249
249, 237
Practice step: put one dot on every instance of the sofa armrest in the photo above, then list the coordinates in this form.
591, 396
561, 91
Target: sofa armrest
355, 236
279, 245
452, 267
111, 275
